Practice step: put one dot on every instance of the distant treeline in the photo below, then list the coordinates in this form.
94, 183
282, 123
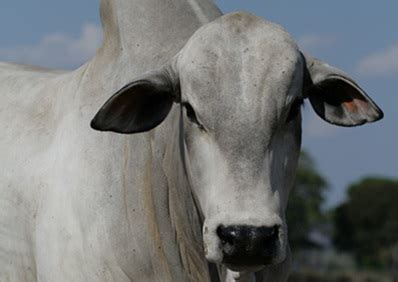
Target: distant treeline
365, 226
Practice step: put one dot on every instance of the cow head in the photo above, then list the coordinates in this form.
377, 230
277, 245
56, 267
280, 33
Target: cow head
240, 82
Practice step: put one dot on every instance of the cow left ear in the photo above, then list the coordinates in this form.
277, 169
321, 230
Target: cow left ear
140, 105
335, 97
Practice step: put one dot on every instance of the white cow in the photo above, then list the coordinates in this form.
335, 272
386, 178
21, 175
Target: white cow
200, 198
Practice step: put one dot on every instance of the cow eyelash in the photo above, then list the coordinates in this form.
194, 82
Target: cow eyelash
294, 109
192, 115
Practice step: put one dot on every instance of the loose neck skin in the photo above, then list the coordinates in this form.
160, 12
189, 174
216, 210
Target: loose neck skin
176, 216
141, 35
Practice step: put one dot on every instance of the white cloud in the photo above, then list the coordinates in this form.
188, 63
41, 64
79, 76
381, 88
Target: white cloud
57, 50
313, 42
382, 63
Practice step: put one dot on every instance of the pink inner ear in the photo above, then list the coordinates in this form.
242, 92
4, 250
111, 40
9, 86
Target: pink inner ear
341, 102
357, 104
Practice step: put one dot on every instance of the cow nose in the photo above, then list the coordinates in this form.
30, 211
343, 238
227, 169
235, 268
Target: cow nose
244, 245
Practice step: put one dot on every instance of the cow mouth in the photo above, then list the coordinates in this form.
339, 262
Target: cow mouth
251, 264
247, 263
244, 268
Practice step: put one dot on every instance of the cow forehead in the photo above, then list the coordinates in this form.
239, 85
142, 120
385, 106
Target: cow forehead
240, 35
240, 67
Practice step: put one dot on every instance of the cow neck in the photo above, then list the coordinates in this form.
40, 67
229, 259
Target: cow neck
183, 213
152, 27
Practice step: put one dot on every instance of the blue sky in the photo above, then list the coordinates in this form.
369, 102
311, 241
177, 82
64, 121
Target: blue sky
360, 37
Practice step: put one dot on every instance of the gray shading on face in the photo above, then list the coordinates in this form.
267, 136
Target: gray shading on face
241, 84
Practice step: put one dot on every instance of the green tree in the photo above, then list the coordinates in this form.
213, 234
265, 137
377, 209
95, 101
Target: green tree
304, 211
367, 224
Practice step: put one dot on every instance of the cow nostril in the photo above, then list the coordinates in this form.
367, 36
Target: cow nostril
236, 233
227, 234
268, 232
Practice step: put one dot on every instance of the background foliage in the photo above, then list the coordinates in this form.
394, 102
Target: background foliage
362, 231
367, 224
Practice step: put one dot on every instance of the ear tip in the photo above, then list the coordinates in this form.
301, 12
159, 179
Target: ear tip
379, 115
102, 126
376, 113
94, 124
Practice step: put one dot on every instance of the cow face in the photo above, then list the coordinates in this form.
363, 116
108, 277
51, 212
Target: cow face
240, 82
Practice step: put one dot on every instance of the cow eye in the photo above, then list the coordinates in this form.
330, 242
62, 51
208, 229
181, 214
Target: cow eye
192, 115
294, 110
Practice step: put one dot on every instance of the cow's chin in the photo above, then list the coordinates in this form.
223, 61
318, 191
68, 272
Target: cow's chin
241, 268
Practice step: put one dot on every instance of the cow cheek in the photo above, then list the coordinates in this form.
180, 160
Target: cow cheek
286, 151
197, 166
207, 172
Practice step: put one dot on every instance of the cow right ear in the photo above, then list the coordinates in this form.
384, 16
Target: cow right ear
139, 106
335, 97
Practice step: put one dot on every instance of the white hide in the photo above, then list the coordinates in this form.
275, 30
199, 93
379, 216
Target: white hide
81, 205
